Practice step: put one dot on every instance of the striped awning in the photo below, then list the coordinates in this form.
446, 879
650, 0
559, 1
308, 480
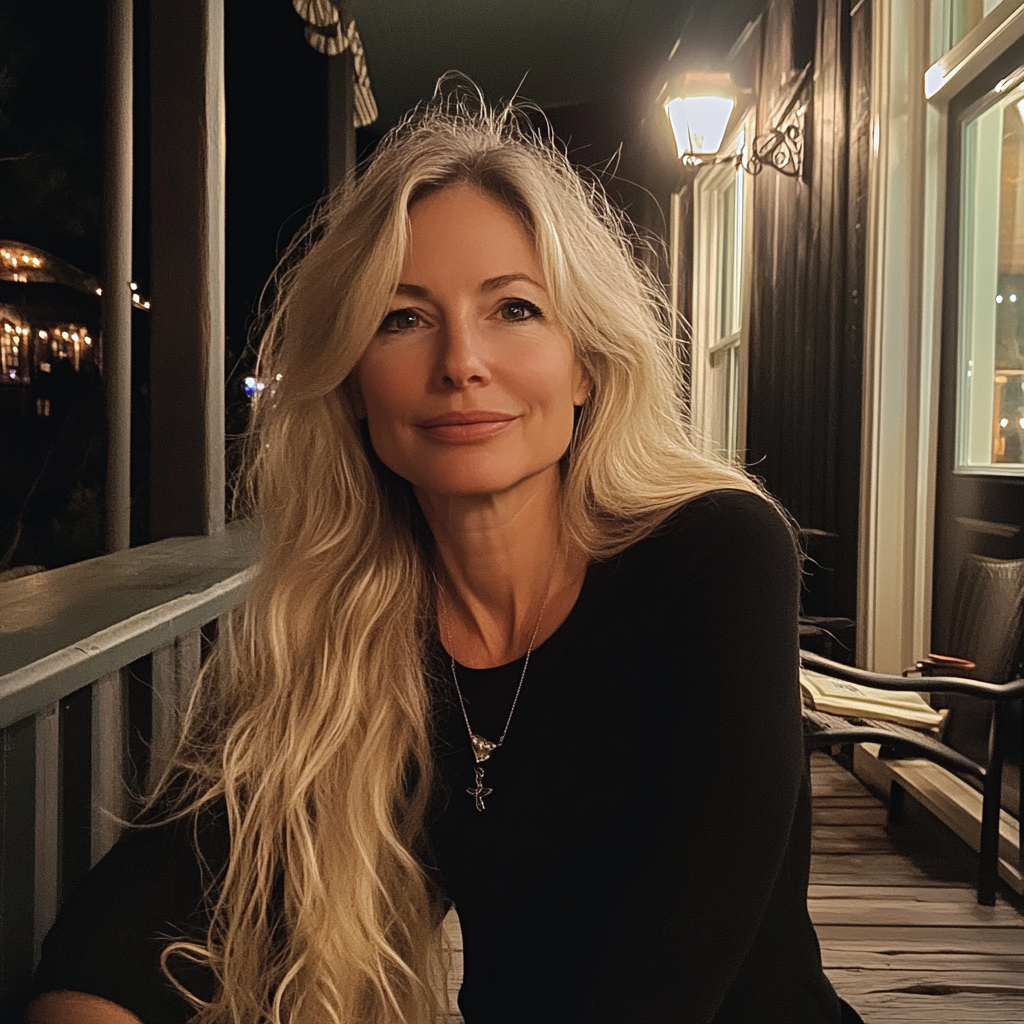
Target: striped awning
331, 32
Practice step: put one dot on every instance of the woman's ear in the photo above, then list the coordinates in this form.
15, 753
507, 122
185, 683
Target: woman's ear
584, 386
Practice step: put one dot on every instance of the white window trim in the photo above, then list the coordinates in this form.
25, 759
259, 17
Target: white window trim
705, 343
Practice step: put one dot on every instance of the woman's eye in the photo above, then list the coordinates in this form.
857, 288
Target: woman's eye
519, 309
399, 320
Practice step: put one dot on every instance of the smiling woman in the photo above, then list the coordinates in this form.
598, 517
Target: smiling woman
472, 359
488, 545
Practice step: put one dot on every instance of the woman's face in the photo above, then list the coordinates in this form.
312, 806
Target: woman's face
469, 384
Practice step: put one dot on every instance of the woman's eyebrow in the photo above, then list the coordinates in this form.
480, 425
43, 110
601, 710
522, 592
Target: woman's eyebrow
417, 291
499, 282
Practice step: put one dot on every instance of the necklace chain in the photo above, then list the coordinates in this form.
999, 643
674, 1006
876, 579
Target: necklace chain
482, 747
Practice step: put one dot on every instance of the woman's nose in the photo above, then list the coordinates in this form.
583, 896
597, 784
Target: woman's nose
461, 361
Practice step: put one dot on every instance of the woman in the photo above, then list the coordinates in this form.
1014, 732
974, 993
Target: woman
515, 644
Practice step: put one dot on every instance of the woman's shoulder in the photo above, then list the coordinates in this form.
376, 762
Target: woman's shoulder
718, 522
726, 541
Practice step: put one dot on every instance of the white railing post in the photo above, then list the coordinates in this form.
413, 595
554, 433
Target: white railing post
46, 831
108, 729
175, 668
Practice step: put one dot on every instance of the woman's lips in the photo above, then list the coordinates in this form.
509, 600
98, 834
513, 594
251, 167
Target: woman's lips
464, 427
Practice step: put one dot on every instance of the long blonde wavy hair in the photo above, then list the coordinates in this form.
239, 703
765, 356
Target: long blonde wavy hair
310, 722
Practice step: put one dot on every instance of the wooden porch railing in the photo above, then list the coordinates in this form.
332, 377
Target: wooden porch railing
96, 662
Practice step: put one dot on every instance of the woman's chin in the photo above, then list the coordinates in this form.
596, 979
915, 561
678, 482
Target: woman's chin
478, 484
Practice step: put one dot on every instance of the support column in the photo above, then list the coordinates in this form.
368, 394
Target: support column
116, 306
897, 482
187, 348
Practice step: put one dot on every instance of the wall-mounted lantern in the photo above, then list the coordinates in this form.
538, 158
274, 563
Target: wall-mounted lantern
699, 114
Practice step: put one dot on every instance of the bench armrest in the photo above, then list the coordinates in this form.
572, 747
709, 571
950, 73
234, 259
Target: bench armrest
926, 684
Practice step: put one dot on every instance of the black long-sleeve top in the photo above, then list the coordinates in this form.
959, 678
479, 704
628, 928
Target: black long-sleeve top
643, 856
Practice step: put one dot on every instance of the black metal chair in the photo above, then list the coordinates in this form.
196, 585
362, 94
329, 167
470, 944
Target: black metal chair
986, 634
821, 630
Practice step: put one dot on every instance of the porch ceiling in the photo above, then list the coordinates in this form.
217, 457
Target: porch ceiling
571, 51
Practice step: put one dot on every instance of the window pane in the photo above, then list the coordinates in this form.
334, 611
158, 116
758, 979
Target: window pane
990, 413
963, 15
723, 394
727, 258
730, 254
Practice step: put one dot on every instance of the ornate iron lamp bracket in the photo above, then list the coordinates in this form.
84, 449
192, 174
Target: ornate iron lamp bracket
781, 149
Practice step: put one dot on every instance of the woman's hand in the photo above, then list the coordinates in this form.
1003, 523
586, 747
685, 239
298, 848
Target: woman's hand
77, 1008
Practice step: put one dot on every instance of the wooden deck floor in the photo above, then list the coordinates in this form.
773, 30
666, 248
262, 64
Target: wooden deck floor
902, 936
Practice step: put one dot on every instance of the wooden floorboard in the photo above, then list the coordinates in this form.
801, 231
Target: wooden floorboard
902, 936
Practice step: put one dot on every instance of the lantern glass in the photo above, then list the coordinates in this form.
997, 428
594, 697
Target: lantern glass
699, 123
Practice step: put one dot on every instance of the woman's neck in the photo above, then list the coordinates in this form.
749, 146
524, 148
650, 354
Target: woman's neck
504, 570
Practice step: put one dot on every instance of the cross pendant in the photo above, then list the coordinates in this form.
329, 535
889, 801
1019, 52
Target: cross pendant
480, 791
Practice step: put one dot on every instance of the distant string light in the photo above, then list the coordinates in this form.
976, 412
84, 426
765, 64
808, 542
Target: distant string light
26, 350
137, 301
19, 259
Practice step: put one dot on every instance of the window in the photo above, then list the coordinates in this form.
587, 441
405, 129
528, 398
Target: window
717, 378
990, 331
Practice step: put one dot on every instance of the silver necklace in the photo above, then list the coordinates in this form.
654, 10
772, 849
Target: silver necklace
483, 747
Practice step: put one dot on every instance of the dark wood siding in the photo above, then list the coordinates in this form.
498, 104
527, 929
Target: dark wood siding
851, 361
806, 333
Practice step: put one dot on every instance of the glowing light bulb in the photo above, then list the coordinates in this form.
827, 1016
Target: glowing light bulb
999, 299
1013, 298
1004, 422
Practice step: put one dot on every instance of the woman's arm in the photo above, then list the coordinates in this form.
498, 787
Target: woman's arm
102, 955
77, 1008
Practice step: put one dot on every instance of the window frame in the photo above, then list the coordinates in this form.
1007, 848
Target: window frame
708, 342
963, 109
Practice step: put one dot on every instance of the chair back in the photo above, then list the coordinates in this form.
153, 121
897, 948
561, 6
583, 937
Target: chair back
987, 628
988, 616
